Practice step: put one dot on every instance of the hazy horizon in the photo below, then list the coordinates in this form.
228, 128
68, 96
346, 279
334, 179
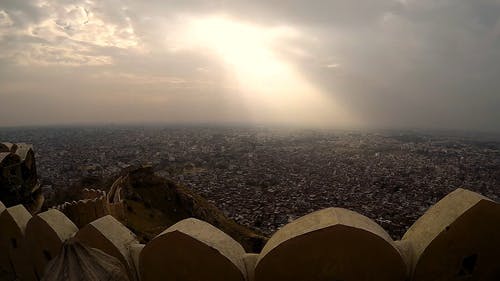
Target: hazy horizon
380, 64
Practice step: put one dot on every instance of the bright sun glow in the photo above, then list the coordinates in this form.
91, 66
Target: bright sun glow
273, 90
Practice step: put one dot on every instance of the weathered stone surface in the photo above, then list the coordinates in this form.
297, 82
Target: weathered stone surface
5, 267
457, 239
135, 252
250, 261
13, 223
192, 250
331, 244
45, 234
77, 262
406, 251
110, 236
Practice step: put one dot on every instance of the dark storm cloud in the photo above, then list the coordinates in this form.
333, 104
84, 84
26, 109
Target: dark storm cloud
391, 63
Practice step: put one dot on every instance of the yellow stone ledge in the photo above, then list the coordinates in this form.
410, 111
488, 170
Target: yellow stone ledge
456, 239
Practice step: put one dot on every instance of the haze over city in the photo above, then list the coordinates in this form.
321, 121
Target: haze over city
249, 140
339, 64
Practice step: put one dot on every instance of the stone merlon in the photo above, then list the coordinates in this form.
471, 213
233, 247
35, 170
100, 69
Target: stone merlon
456, 239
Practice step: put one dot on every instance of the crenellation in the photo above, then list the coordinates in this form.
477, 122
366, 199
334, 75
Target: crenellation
18, 175
456, 239
13, 222
93, 205
135, 253
330, 244
192, 250
5, 265
110, 236
45, 235
86, 210
90, 193
100, 207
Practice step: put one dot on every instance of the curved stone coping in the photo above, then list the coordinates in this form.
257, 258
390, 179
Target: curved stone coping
250, 261
457, 238
439, 216
93, 206
23, 150
7, 147
13, 223
135, 253
90, 193
4, 257
14, 220
4, 156
192, 250
321, 219
114, 194
110, 236
330, 244
45, 234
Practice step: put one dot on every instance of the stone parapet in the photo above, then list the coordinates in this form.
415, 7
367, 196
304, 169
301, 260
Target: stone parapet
456, 239
95, 204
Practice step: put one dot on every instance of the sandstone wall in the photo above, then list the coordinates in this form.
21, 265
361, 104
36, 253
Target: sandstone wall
18, 175
456, 239
95, 204
115, 200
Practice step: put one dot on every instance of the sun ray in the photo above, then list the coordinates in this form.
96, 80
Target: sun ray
272, 88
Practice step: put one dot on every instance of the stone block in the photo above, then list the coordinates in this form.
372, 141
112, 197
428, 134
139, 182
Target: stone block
457, 239
13, 223
330, 244
110, 236
45, 235
250, 261
135, 252
192, 250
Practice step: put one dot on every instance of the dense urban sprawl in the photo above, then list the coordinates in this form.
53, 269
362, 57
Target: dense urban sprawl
265, 178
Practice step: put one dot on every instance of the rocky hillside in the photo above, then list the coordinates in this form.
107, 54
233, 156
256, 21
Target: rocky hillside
154, 203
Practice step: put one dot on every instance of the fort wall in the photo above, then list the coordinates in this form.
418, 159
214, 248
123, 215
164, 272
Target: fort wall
94, 205
18, 175
456, 239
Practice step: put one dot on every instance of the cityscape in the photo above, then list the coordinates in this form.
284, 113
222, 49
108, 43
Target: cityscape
264, 178
254, 140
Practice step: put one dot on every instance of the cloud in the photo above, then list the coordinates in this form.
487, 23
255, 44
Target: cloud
390, 63
61, 33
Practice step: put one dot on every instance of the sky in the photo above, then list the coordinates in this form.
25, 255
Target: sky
429, 64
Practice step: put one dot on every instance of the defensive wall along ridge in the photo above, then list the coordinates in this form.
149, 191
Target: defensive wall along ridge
456, 239
95, 204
